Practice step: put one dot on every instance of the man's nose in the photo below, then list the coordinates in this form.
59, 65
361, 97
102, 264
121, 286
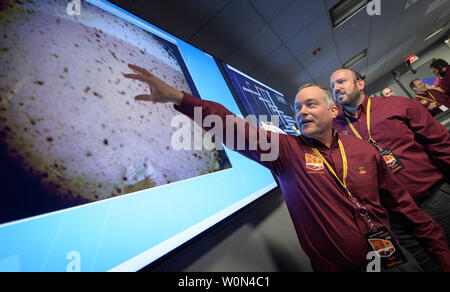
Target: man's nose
336, 87
302, 112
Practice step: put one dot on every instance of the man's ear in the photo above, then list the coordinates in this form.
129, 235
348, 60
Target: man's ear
334, 111
361, 84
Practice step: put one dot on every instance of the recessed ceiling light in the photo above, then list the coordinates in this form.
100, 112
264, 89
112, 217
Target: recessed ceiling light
344, 10
355, 59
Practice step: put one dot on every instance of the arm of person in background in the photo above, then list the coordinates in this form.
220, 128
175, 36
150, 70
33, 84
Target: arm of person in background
396, 199
430, 133
439, 89
259, 145
432, 106
444, 84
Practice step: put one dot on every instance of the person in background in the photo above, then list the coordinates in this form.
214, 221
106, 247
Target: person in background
387, 92
434, 101
440, 68
410, 141
437, 81
336, 187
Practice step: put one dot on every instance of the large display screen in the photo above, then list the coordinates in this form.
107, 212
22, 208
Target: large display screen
90, 180
261, 101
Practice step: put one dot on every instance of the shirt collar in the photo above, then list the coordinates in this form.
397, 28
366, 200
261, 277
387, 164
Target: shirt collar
361, 108
318, 144
427, 93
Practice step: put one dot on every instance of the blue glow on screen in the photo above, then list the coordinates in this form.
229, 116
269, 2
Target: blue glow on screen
128, 232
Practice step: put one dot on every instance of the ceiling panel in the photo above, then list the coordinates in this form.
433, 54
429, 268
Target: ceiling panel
278, 58
325, 44
310, 35
185, 24
273, 62
352, 25
270, 8
331, 3
383, 31
322, 68
354, 45
233, 26
295, 17
287, 72
256, 49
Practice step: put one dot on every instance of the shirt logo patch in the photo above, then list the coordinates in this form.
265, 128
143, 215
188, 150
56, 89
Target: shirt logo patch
362, 170
313, 162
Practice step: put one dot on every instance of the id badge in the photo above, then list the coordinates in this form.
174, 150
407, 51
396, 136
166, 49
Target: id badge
382, 242
391, 160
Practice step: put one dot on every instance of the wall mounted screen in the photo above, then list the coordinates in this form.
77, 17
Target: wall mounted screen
90, 180
260, 100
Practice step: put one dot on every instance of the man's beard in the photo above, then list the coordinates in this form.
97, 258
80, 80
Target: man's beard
352, 98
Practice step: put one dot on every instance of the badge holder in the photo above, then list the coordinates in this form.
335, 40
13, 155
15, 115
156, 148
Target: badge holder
392, 161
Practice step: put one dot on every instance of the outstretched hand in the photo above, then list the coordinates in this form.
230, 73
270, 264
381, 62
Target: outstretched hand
160, 91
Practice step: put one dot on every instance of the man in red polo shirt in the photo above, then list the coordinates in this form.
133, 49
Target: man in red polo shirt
440, 68
406, 135
434, 101
336, 187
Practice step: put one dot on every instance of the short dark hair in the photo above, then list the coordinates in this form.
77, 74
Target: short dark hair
412, 85
356, 75
438, 64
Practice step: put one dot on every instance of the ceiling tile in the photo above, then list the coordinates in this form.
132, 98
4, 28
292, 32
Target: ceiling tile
326, 44
232, 27
321, 69
331, 3
187, 21
270, 8
382, 31
296, 17
309, 36
278, 58
352, 25
256, 49
353, 45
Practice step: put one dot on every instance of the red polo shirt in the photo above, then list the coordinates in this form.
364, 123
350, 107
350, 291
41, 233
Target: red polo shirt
445, 82
327, 222
410, 132
433, 95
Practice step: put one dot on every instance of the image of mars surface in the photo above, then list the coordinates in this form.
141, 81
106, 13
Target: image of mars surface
70, 130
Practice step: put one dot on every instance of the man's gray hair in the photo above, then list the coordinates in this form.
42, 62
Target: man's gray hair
327, 95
